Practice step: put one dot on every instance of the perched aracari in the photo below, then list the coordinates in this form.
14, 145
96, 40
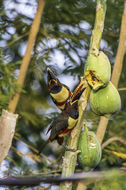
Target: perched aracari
66, 120
59, 92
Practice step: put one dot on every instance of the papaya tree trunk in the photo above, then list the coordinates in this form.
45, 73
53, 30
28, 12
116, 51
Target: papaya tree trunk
69, 160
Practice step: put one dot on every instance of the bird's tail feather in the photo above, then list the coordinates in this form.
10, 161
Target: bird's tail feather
43, 146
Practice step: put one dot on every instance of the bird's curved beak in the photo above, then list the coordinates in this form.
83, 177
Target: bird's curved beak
51, 74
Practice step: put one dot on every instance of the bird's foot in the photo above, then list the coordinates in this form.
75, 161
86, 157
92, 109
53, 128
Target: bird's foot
69, 149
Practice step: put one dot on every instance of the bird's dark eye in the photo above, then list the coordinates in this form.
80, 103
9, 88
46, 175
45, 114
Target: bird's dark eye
56, 89
53, 82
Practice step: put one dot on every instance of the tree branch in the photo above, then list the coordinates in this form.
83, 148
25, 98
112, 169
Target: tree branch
69, 160
16, 40
36, 180
116, 72
26, 59
121, 89
110, 140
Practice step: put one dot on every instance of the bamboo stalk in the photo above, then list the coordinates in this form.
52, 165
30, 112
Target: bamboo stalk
69, 160
116, 72
26, 59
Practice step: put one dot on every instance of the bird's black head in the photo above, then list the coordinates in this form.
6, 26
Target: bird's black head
54, 84
54, 87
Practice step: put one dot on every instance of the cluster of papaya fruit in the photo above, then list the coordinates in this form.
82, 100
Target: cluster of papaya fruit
104, 100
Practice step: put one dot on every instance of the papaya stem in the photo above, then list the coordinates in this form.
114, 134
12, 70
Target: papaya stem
85, 126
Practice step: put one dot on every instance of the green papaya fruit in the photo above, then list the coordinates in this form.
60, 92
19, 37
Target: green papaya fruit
90, 148
105, 101
97, 69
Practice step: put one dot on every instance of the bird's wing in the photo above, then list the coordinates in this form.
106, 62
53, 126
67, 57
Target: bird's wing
58, 126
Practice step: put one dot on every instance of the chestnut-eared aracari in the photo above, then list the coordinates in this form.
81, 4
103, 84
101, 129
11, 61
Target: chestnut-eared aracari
67, 120
59, 92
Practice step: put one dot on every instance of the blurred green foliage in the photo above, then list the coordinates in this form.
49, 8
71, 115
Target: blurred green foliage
62, 43
114, 180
